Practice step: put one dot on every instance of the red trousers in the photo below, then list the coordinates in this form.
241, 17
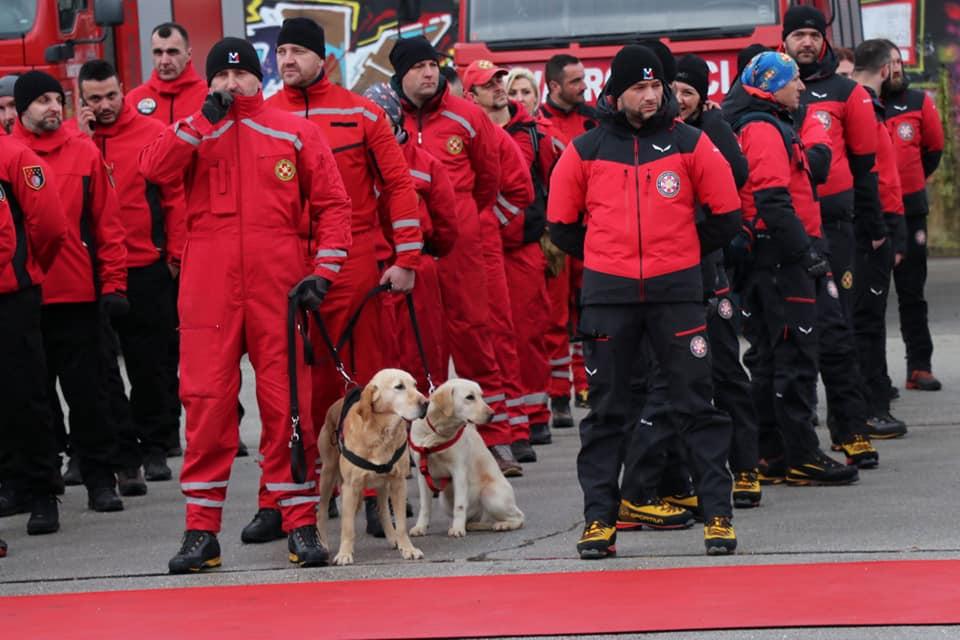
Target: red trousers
566, 362
362, 353
500, 323
216, 326
463, 287
531, 308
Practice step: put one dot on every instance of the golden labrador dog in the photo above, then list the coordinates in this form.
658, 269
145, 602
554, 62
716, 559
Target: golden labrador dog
459, 465
374, 429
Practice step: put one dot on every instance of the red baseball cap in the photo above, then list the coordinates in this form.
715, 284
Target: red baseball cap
480, 72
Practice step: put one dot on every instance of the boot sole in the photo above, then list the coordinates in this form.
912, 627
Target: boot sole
768, 480
133, 492
863, 464
295, 559
746, 503
41, 531
597, 554
916, 387
636, 526
820, 483
212, 563
110, 509
721, 550
886, 436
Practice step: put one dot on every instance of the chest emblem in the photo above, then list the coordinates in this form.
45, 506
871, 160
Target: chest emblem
147, 106
668, 184
905, 131
824, 118
33, 176
285, 170
698, 347
454, 145
847, 280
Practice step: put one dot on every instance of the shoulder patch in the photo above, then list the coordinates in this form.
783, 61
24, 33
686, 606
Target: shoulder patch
147, 106
34, 177
668, 184
905, 131
454, 145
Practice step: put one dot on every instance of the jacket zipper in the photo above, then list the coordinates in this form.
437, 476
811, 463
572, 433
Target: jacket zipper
171, 110
237, 187
306, 116
636, 174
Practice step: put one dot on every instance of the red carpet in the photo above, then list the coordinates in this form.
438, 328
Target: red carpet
811, 595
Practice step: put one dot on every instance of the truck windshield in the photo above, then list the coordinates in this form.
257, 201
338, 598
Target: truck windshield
499, 20
17, 17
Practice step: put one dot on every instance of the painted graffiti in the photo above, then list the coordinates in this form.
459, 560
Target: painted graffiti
359, 35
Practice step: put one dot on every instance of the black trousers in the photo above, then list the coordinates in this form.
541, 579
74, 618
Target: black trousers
72, 340
910, 278
870, 326
840, 245
779, 321
677, 336
144, 340
30, 460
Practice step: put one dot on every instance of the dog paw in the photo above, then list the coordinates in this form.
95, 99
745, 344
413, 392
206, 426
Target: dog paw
418, 531
411, 553
506, 525
456, 532
342, 559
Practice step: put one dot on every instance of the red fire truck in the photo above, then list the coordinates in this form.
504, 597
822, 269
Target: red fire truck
528, 32
58, 36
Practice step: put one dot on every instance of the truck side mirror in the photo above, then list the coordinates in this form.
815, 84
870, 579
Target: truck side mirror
408, 10
58, 52
108, 13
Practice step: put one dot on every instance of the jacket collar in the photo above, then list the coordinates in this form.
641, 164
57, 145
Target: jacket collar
127, 115
246, 106
433, 104
316, 90
173, 87
43, 142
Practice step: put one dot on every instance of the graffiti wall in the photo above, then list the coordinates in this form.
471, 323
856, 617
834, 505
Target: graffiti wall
359, 34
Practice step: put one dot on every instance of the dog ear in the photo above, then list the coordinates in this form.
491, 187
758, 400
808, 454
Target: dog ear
368, 397
445, 400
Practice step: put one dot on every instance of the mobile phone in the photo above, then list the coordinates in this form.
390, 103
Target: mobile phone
93, 123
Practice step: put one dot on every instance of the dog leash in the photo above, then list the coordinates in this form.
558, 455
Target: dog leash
426, 451
298, 463
416, 334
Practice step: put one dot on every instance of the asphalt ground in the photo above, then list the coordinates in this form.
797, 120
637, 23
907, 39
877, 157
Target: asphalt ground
905, 509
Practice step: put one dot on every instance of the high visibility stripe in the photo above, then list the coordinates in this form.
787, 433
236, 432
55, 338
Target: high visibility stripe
273, 133
404, 224
500, 216
499, 397
426, 177
186, 137
515, 402
290, 486
519, 420
331, 253
409, 246
561, 374
333, 267
196, 486
561, 361
559, 146
203, 502
333, 111
506, 203
537, 398
500, 417
461, 120
289, 502
219, 132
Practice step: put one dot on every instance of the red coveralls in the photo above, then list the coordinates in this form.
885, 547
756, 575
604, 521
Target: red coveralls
438, 221
169, 101
502, 233
461, 136
8, 237
526, 275
247, 178
566, 361
362, 141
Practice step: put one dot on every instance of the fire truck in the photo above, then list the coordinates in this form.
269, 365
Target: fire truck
58, 36
528, 32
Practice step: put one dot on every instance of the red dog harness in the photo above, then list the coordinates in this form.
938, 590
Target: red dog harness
426, 451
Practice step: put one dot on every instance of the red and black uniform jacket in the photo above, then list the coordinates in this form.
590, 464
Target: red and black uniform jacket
572, 123
368, 157
461, 136
637, 191
35, 215
844, 109
154, 217
168, 102
8, 237
540, 152
437, 204
93, 259
779, 197
891, 194
917, 135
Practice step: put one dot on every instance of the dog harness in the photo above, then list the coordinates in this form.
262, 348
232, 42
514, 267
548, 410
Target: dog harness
426, 451
352, 397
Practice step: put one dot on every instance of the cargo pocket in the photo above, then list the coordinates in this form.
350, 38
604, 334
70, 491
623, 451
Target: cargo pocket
201, 366
223, 188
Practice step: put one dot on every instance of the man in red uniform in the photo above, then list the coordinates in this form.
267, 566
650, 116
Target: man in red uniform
366, 152
917, 135
34, 212
88, 279
568, 114
461, 136
523, 258
250, 173
154, 219
8, 110
174, 90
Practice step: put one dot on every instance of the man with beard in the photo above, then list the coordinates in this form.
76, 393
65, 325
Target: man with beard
153, 218
917, 135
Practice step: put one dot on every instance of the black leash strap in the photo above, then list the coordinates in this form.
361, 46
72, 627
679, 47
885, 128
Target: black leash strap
416, 334
298, 462
352, 322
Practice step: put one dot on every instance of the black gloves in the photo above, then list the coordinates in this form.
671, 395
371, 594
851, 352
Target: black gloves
114, 305
216, 106
310, 292
739, 248
814, 264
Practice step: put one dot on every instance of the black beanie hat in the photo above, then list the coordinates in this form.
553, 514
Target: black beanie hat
693, 71
747, 54
304, 32
233, 53
804, 17
31, 86
666, 58
631, 65
408, 52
